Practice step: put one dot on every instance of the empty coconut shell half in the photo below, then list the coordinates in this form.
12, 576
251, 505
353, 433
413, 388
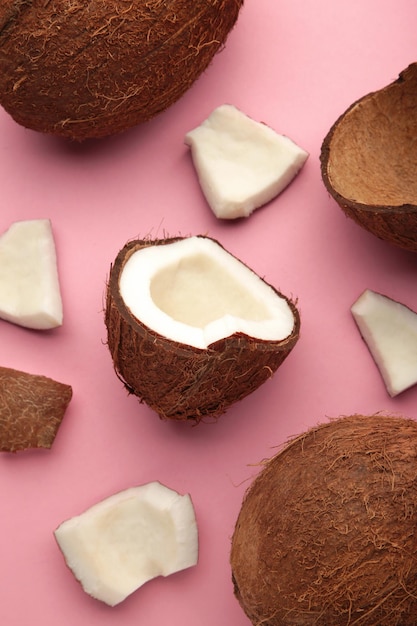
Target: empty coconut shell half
91, 69
191, 329
369, 161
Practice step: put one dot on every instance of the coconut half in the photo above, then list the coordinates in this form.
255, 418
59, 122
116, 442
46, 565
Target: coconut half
126, 540
369, 162
191, 329
326, 532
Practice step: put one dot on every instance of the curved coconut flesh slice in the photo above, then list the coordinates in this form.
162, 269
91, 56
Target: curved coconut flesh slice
191, 329
122, 542
369, 161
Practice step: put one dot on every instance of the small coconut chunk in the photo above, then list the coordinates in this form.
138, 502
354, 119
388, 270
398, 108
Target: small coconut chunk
31, 409
30, 293
241, 164
390, 332
194, 292
124, 541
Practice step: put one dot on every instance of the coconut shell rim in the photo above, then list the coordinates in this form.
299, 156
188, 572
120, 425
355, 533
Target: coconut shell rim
183, 349
351, 203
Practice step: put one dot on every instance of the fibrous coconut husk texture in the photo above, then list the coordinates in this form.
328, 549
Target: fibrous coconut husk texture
90, 69
31, 409
181, 382
326, 535
368, 161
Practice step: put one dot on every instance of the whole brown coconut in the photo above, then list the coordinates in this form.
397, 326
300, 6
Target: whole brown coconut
369, 161
90, 69
178, 380
326, 535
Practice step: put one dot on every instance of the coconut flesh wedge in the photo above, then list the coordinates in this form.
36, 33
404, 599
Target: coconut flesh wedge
126, 540
241, 164
30, 294
369, 162
191, 329
390, 331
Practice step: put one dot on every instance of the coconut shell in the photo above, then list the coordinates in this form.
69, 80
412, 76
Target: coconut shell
90, 69
326, 535
368, 161
31, 409
181, 382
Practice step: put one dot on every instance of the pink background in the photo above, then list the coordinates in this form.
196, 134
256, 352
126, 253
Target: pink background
296, 65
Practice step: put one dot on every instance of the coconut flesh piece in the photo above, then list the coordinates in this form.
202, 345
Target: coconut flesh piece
30, 293
390, 331
122, 542
241, 164
195, 293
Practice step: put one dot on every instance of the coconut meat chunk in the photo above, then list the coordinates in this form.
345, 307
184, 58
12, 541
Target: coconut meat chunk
124, 541
194, 292
389, 329
30, 293
241, 164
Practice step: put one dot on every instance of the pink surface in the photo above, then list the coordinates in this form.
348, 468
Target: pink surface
295, 65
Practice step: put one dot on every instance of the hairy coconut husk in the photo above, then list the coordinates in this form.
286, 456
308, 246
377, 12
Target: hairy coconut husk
181, 382
90, 69
31, 409
326, 535
368, 161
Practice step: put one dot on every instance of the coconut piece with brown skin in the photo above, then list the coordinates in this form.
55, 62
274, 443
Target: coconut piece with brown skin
90, 69
326, 535
368, 161
191, 329
32, 408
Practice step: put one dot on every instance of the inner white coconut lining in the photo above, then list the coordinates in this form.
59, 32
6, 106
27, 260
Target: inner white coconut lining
194, 292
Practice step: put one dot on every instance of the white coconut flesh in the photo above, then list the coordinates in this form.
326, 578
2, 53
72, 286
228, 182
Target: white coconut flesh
241, 164
194, 292
29, 284
389, 329
124, 541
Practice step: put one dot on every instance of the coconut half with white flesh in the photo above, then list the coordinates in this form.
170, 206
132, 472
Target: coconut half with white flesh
191, 329
126, 540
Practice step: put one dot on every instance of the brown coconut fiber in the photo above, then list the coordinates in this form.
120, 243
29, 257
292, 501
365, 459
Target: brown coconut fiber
178, 381
89, 69
31, 409
326, 535
369, 161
